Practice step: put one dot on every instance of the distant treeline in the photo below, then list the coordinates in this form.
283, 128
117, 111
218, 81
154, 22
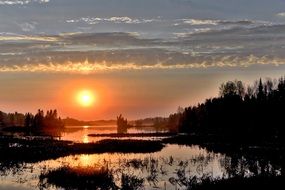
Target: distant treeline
247, 113
74, 122
157, 123
11, 119
40, 123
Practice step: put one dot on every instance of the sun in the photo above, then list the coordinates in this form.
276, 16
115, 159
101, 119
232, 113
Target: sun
86, 98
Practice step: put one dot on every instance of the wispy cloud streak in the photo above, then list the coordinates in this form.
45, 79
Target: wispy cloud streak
27, 38
117, 20
21, 2
87, 67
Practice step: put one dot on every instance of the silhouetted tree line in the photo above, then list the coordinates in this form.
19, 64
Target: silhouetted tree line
39, 123
255, 112
11, 119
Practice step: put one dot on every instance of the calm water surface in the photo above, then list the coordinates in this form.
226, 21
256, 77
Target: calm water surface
166, 169
80, 133
160, 170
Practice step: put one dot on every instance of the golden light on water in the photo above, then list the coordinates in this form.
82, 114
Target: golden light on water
85, 139
86, 160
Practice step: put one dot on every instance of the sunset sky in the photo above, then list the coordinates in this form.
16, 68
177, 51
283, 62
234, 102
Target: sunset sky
141, 58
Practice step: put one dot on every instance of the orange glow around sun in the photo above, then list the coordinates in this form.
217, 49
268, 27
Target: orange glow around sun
86, 98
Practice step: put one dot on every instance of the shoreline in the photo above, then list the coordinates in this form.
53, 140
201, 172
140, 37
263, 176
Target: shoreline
38, 150
118, 135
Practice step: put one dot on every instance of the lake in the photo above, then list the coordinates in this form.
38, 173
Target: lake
80, 133
171, 168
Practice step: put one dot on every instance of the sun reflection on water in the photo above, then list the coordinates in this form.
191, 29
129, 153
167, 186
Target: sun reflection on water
85, 139
86, 160
85, 126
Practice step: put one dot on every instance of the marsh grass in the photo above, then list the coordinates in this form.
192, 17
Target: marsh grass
78, 178
88, 178
131, 182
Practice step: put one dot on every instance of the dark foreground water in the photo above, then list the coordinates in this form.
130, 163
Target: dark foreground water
170, 168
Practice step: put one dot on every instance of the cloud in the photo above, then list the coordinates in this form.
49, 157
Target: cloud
240, 22
194, 31
87, 67
171, 22
27, 38
28, 26
122, 20
116, 20
281, 14
200, 22
21, 2
264, 32
198, 48
112, 40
